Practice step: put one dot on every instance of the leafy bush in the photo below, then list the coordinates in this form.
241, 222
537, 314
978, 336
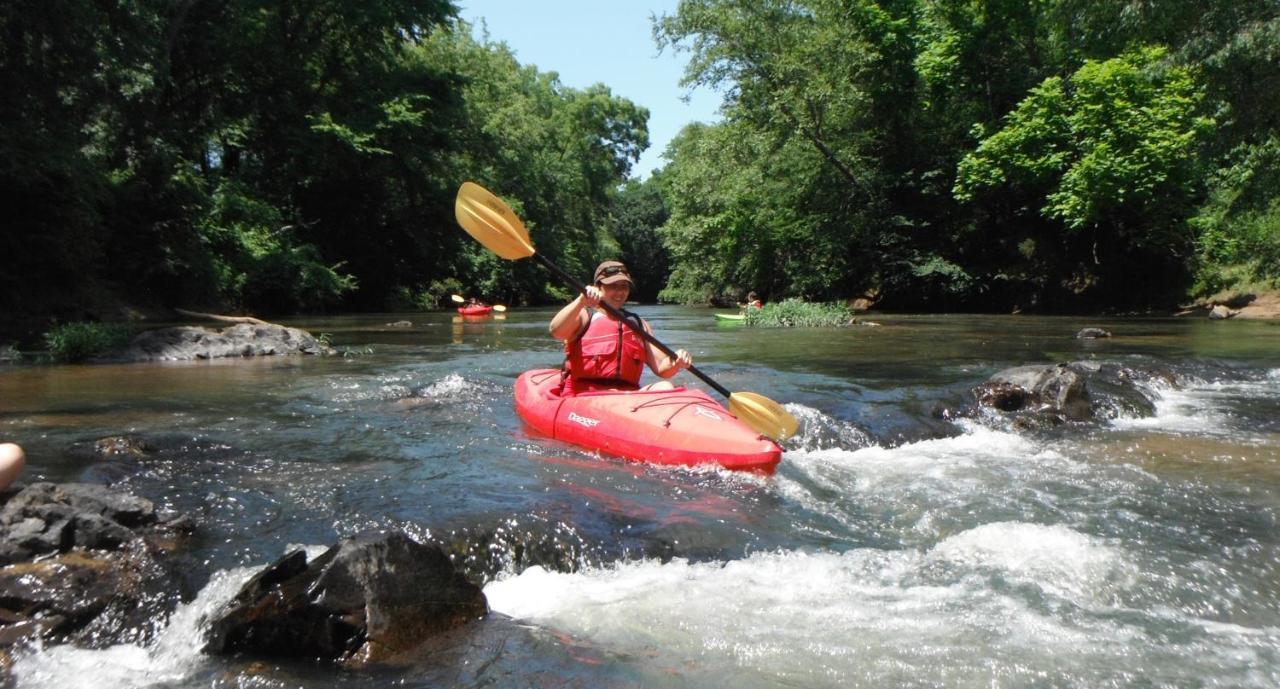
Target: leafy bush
260, 264
79, 341
800, 314
1238, 228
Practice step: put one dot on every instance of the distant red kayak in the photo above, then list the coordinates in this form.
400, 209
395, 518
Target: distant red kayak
474, 310
680, 426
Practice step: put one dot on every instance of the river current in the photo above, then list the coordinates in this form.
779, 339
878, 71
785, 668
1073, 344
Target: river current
905, 541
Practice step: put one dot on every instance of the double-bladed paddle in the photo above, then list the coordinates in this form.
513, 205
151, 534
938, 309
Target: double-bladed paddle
492, 223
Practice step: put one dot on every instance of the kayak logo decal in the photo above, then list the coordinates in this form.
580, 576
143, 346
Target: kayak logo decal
702, 411
589, 423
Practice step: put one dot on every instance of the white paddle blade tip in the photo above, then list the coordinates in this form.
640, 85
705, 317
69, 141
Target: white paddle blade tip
763, 415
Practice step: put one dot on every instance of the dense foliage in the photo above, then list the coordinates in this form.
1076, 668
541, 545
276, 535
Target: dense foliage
1000, 154
284, 156
303, 155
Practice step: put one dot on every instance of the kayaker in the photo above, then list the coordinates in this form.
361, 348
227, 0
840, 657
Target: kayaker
753, 302
602, 353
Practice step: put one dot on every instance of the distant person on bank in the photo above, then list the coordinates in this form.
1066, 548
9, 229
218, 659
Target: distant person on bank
603, 353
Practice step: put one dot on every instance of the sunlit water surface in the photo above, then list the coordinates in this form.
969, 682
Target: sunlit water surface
902, 542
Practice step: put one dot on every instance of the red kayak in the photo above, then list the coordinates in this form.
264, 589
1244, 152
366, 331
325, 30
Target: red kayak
475, 310
678, 426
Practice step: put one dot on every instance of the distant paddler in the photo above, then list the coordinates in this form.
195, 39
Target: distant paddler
474, 307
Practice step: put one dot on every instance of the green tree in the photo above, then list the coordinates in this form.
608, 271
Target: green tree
1114, 151
554, 153
818, 131
638, 211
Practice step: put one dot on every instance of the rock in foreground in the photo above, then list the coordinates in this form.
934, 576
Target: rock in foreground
82, 563
370, 600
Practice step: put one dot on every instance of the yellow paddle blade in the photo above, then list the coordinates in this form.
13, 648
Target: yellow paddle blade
499, 308
489, 221
763, 415
457, 298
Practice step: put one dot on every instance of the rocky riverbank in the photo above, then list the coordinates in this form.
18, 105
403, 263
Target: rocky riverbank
1262, 305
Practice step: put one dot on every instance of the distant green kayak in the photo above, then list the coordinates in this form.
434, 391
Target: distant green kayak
731, 317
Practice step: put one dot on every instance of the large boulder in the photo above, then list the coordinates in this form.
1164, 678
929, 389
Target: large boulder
369, 600
1055, 392
185, 343
1039, 395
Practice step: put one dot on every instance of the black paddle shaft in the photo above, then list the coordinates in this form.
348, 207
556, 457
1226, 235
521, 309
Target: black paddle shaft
582, 289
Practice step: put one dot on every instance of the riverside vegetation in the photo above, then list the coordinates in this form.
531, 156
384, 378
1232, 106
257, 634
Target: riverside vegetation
797, 313
1052, 156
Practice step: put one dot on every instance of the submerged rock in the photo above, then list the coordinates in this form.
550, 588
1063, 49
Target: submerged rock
1092, 333
369, 600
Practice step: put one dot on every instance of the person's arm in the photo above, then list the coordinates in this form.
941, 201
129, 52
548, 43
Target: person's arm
661, 364
570, 320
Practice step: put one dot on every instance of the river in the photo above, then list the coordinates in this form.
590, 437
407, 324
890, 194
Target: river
901, 543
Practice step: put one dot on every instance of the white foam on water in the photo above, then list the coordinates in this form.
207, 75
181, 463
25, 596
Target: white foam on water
1198, 408
935, 458
174, 655
818, 431
451, 386
870, 618
919, 476
1060, 561
1186, 410
802, 617
364, 388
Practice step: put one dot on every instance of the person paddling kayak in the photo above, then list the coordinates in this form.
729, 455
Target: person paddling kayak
602, 353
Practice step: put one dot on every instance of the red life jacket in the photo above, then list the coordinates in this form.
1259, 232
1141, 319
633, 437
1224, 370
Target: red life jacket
606, 354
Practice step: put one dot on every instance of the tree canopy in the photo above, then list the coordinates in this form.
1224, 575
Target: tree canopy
303, 155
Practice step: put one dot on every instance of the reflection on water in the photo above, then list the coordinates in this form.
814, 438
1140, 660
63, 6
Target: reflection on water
900, 543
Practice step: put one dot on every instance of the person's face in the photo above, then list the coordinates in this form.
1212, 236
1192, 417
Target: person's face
616, 294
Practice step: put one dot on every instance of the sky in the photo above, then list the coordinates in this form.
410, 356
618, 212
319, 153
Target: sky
602, 41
